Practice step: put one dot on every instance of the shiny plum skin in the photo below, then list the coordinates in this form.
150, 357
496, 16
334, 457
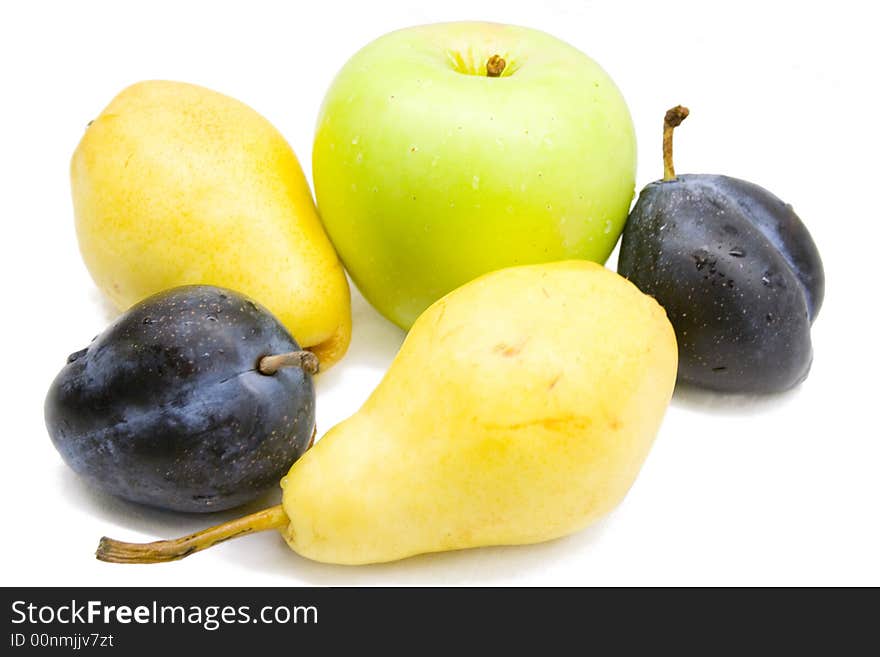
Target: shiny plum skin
167, 408
738, 275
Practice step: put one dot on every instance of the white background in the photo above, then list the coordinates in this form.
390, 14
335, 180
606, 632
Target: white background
776, 490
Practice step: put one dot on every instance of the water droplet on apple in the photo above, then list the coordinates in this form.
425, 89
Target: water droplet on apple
475, 183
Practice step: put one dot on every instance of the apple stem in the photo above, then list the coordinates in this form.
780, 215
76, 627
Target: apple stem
671, 121
113, 551
303, 359
495, 66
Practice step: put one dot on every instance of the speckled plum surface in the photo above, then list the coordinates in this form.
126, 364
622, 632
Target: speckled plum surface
166, 407
738, 274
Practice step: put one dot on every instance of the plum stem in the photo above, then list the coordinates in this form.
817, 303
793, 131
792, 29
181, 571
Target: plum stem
671, 121
495, 66
303, 359
113, 551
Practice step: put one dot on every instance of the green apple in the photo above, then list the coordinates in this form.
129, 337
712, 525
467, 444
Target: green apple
434, 165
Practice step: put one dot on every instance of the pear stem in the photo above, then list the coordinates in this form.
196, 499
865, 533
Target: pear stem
303, 359
672, 120
113, 551
495, 66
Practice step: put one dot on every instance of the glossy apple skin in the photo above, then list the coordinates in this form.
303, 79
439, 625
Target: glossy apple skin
738, 274
166, 406
428, 173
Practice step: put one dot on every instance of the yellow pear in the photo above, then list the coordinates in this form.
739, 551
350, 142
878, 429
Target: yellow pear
175, 184
519, 409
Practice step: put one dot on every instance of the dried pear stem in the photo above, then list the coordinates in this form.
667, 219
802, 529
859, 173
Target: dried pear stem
495, 66
672, 120
113, 551
303, 359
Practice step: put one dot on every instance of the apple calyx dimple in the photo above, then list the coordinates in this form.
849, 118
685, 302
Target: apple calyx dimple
495, 66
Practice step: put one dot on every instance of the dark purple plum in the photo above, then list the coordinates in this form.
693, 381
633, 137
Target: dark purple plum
170, 405
736, 271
